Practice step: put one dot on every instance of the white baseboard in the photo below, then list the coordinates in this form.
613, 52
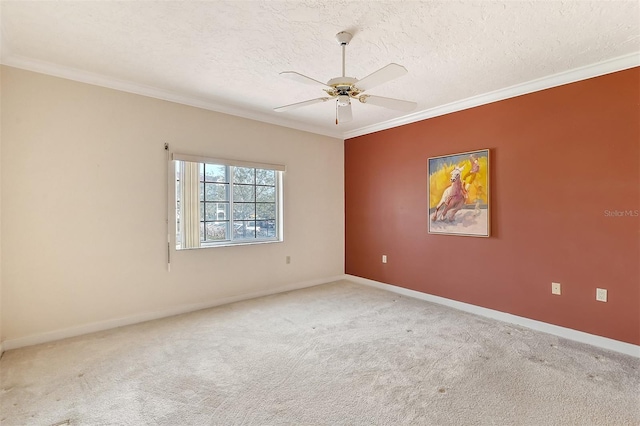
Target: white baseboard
51, 336
567, 333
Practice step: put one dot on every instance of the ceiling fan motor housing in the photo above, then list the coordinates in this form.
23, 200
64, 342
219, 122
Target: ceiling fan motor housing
343, 86
342, 82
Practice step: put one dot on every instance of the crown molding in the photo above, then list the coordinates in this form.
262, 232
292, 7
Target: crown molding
601, 68
82, 76
605, 67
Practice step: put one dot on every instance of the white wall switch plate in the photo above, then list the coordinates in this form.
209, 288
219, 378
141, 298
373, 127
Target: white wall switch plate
556, 288
601, 294
384, 258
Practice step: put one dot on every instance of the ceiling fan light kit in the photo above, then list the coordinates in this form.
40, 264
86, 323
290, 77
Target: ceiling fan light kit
343, 100
344, 88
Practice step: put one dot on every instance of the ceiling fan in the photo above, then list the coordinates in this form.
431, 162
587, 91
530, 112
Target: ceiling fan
343, 89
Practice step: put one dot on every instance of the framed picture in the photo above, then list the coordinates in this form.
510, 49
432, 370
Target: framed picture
458, 194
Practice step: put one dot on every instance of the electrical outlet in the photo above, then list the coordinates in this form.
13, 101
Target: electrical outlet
384, 258
288, 260
555, 288
601, 294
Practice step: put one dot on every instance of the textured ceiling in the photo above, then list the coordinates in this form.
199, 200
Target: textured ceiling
226, 55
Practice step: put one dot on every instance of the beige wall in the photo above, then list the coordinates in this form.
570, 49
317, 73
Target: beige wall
84, 202
1, 333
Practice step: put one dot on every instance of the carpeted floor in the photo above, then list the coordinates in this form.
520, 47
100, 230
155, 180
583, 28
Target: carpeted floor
336, 354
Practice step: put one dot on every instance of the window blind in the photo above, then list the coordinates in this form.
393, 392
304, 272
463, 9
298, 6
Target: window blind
236, 163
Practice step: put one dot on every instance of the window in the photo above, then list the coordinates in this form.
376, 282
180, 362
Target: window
223, 202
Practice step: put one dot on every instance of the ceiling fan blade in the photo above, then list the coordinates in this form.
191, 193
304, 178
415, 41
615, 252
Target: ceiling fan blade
300, 104
296, 76
383, 75
344, 114
391, 103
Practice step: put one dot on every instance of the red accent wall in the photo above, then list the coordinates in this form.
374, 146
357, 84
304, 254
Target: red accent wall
560, 159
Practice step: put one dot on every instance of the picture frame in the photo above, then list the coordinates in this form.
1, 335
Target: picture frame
458, 197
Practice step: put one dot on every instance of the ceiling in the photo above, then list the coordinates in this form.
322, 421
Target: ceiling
227, 55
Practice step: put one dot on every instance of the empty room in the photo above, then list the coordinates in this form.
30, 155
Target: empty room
320, 212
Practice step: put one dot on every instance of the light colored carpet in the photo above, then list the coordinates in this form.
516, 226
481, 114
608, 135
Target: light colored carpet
336, 354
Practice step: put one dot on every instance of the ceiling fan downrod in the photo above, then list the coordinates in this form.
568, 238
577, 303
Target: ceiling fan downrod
343, 38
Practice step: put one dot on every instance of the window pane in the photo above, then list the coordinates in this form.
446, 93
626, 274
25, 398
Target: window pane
242, 193
201, 171
216, 192
268, 227
244, 230
219, 230
222, 211
216, 211
244, 175
216, 231
266, 193
265, 177
215, 173
244, 211
265, 211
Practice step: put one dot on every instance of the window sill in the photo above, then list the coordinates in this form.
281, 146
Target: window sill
230, 244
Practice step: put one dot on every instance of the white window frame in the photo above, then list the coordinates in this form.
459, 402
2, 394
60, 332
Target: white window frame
230, 164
